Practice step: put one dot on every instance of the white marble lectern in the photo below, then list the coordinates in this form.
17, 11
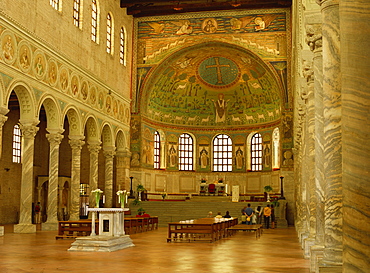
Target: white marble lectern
111, 232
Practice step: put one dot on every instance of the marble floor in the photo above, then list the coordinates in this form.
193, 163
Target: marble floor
278, 250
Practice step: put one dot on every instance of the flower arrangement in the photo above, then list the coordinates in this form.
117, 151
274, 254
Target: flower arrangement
122, 197
97, 193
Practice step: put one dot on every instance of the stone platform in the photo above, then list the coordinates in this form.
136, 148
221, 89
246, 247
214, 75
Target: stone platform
101, 243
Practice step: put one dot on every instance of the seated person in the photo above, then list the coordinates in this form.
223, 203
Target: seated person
227, 215
218, 215
139, 214
145, 214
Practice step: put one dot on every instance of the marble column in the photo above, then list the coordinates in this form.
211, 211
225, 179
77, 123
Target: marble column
76, 144
25, 225
314, 41
94, 148
108, 189
54, 138
332, 134
3, 119
355, 52
318, 247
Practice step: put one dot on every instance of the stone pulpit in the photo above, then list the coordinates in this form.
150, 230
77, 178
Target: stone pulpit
111, 232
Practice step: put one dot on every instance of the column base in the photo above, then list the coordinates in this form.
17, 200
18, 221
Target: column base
330, 269
49, 226
317, 253
25, 228
307, 244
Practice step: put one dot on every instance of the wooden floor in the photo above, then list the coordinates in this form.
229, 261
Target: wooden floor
277, 250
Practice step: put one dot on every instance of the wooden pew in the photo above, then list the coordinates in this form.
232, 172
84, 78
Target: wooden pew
73, 229
258, 229
201, 229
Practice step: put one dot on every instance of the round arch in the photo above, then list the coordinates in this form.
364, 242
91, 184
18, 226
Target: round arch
212, 84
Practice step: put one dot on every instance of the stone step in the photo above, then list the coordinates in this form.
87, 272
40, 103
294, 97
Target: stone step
197, 207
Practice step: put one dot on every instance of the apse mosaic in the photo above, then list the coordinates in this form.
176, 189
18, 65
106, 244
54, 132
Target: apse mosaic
215, 69
212, 84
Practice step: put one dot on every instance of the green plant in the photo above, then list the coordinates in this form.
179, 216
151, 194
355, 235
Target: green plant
140, 210
275, 203
136, 202
267, 188
140, 187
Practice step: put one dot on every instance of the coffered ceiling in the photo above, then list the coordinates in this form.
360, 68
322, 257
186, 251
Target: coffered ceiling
142, 8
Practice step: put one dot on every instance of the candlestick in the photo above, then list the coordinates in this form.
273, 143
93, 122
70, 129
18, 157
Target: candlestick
104, 199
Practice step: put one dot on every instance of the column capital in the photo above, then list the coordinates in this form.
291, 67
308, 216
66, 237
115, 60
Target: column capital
94, 147
326, 3
124, 153
109, 153
54, 138
3, 119
76, 142
4, 111
29, 130
314, 36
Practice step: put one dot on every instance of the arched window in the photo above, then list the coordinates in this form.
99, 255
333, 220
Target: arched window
17, 144
55, 4
222, 153
94, 21
122, 47
157, 150
109, 34
276, 149
256, 152
76, 12
185, 152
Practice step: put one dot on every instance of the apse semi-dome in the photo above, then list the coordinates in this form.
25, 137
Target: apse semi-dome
211, 84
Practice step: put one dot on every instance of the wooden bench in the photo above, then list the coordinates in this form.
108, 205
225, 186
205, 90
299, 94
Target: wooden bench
201, 229
258, 229
73, 229
192, 233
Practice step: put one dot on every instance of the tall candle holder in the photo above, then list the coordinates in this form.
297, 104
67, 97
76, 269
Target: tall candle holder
131, 190
282, 188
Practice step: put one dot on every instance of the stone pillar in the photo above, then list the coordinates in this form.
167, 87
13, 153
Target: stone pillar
54, 139
94, 148
108, 189
60, 204
123, 170
76, 145
25, 225
355, 52
3, 119
332, 135
314, 41
315, 44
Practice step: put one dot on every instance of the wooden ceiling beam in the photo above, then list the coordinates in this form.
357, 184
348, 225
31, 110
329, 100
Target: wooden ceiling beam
138, 9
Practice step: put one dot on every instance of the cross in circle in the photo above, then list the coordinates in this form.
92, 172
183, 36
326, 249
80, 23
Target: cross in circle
218, 68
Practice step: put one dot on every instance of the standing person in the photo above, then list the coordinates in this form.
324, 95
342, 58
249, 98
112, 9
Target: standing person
249, 213
38, 213
258, 213
266, 216
210, 214
272, 216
